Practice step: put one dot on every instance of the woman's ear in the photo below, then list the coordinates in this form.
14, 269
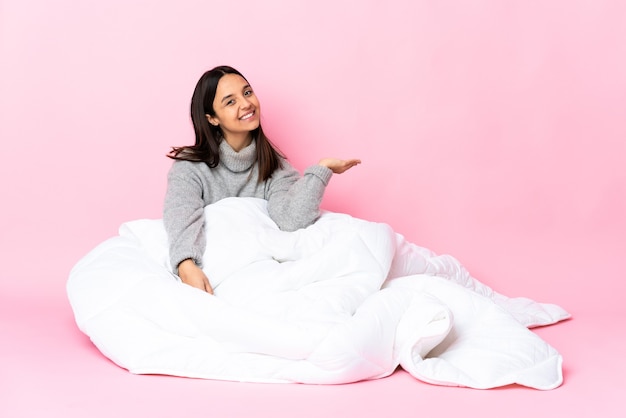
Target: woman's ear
212, 120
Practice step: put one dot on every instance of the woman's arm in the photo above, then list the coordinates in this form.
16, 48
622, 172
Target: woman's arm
183, 215
294, 201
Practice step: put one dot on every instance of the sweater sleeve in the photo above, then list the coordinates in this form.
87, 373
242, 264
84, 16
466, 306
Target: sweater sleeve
293, 201
183, 215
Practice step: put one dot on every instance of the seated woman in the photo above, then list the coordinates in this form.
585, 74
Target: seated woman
232, 157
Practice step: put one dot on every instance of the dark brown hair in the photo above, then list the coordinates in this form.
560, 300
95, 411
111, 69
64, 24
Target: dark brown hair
208, 137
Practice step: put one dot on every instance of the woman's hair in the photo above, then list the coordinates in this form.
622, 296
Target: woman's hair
208, 137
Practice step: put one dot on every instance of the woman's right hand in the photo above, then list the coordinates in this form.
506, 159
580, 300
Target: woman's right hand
193, 275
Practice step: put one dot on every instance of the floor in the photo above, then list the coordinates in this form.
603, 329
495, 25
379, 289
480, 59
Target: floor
52, 370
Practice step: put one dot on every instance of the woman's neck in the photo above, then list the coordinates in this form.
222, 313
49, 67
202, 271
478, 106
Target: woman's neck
239, 142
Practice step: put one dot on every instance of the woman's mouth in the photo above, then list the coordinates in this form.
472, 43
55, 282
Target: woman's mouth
247, 115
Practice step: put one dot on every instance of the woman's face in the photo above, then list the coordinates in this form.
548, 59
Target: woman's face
237, 110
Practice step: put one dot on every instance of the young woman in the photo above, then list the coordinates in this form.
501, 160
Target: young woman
233, 157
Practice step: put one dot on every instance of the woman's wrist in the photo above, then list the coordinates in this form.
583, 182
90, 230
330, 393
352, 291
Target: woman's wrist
186, 264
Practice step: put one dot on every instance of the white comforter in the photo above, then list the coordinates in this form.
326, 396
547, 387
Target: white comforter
341, 301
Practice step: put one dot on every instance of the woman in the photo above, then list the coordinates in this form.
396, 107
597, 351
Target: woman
233, 157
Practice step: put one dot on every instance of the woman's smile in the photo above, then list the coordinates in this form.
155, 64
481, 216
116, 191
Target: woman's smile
248, 115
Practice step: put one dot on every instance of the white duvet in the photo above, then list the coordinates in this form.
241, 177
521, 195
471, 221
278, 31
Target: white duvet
340, 301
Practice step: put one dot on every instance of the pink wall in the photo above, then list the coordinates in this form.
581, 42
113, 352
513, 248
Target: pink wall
492, 130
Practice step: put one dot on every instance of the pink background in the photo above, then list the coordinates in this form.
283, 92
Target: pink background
491, 130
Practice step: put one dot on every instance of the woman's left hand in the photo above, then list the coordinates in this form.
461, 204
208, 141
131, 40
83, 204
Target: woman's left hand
339, 166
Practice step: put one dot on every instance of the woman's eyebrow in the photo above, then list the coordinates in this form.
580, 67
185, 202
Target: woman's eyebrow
227, 97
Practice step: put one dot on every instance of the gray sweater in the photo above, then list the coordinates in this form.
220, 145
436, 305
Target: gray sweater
292, 200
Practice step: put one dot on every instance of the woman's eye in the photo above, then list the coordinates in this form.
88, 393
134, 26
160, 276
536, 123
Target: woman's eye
247, 92
230, 102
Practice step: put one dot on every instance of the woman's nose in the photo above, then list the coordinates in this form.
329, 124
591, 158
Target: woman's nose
245, 103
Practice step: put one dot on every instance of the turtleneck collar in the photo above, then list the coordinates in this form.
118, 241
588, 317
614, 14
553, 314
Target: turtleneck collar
237, 161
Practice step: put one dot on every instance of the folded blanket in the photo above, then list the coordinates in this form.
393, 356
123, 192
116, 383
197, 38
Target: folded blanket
340, 301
